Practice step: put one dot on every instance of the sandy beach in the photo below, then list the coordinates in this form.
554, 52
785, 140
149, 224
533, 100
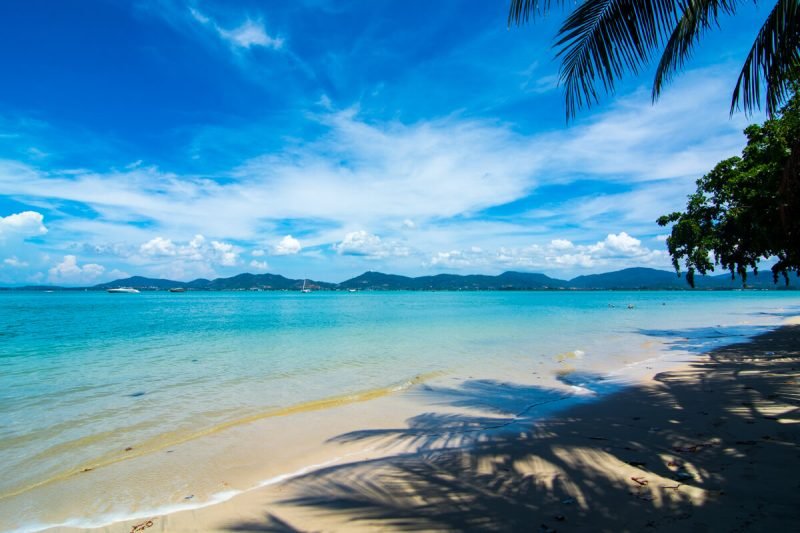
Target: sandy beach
713, 445
336, 266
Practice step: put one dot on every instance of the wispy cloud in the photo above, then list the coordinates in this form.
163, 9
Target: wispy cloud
414, 193
250, 33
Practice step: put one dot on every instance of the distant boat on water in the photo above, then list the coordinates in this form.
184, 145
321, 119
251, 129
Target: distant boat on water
304, 287
123, 290
177, 289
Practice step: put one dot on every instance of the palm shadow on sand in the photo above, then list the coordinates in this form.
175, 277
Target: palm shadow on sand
507, 469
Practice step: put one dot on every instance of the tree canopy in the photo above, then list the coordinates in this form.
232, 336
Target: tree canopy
601, 39
747, 208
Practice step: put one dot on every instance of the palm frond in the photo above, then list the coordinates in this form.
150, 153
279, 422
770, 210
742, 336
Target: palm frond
520, 11
697, 17
772, 59
602, 39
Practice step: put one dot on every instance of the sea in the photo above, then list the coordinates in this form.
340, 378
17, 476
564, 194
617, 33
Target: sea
90, 379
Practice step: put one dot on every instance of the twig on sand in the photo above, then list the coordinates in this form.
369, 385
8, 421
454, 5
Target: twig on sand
141, 527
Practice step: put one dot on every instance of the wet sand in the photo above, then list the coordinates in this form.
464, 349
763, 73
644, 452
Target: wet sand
711, 446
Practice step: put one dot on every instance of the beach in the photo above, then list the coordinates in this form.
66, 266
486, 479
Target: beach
331, 266
712, 445
558, 409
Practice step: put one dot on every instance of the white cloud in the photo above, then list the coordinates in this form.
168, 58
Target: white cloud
22, 225
197, 249
287, 246
460, 259
620, 244
260, 265
158, 246
15, 262
117, 249
615, 251
198, 16
258, 253
437, 177
421, 173
325, 102
225, 254
361, 243
69, 271
117, 274
561, 244
247, 35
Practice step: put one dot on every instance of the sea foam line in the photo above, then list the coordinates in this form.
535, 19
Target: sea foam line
158, 444
216, 498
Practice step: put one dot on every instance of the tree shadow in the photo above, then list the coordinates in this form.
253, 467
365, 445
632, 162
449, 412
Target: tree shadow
790, 311
704, 339
271, 523
677, 455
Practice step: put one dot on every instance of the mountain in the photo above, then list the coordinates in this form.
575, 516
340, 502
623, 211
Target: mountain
379, 281
452, 282
626, 279
762, 281
240, 282
140, 282
650, 278
263, 281
630, 278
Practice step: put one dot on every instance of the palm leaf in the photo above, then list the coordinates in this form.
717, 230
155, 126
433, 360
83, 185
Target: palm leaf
602, 39
772, 59
520, 11
697, 17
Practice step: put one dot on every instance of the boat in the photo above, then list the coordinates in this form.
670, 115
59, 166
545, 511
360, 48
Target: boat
123, 290
304, 287
352, 290
177, 289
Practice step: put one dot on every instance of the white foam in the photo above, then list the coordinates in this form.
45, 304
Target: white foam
109, 519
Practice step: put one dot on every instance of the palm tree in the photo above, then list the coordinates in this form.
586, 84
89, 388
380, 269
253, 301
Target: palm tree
601, 39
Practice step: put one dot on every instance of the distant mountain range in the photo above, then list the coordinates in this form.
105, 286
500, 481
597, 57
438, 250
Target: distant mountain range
629, 278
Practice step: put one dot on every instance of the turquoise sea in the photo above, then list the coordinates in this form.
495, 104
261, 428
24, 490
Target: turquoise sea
83, 375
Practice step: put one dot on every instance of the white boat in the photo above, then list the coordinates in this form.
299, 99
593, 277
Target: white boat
352, 290
177, 289
123, 290
304, 287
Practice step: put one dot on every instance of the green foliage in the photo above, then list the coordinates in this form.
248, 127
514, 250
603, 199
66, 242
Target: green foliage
747, 208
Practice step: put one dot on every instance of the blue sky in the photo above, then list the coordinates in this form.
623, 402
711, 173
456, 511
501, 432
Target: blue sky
324, 138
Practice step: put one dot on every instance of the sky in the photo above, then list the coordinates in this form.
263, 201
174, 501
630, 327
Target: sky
321, 139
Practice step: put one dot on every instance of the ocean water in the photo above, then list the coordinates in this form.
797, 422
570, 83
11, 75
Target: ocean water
84, 375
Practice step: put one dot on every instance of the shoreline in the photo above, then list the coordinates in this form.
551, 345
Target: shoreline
385, 448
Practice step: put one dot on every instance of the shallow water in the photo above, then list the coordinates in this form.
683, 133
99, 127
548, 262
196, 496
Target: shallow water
84, 375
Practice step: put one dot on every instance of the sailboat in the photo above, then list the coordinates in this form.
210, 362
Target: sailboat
304, 287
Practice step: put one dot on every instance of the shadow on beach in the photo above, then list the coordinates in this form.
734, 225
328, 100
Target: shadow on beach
713, 446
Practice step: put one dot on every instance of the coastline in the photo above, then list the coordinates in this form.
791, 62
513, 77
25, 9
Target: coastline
382, 477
